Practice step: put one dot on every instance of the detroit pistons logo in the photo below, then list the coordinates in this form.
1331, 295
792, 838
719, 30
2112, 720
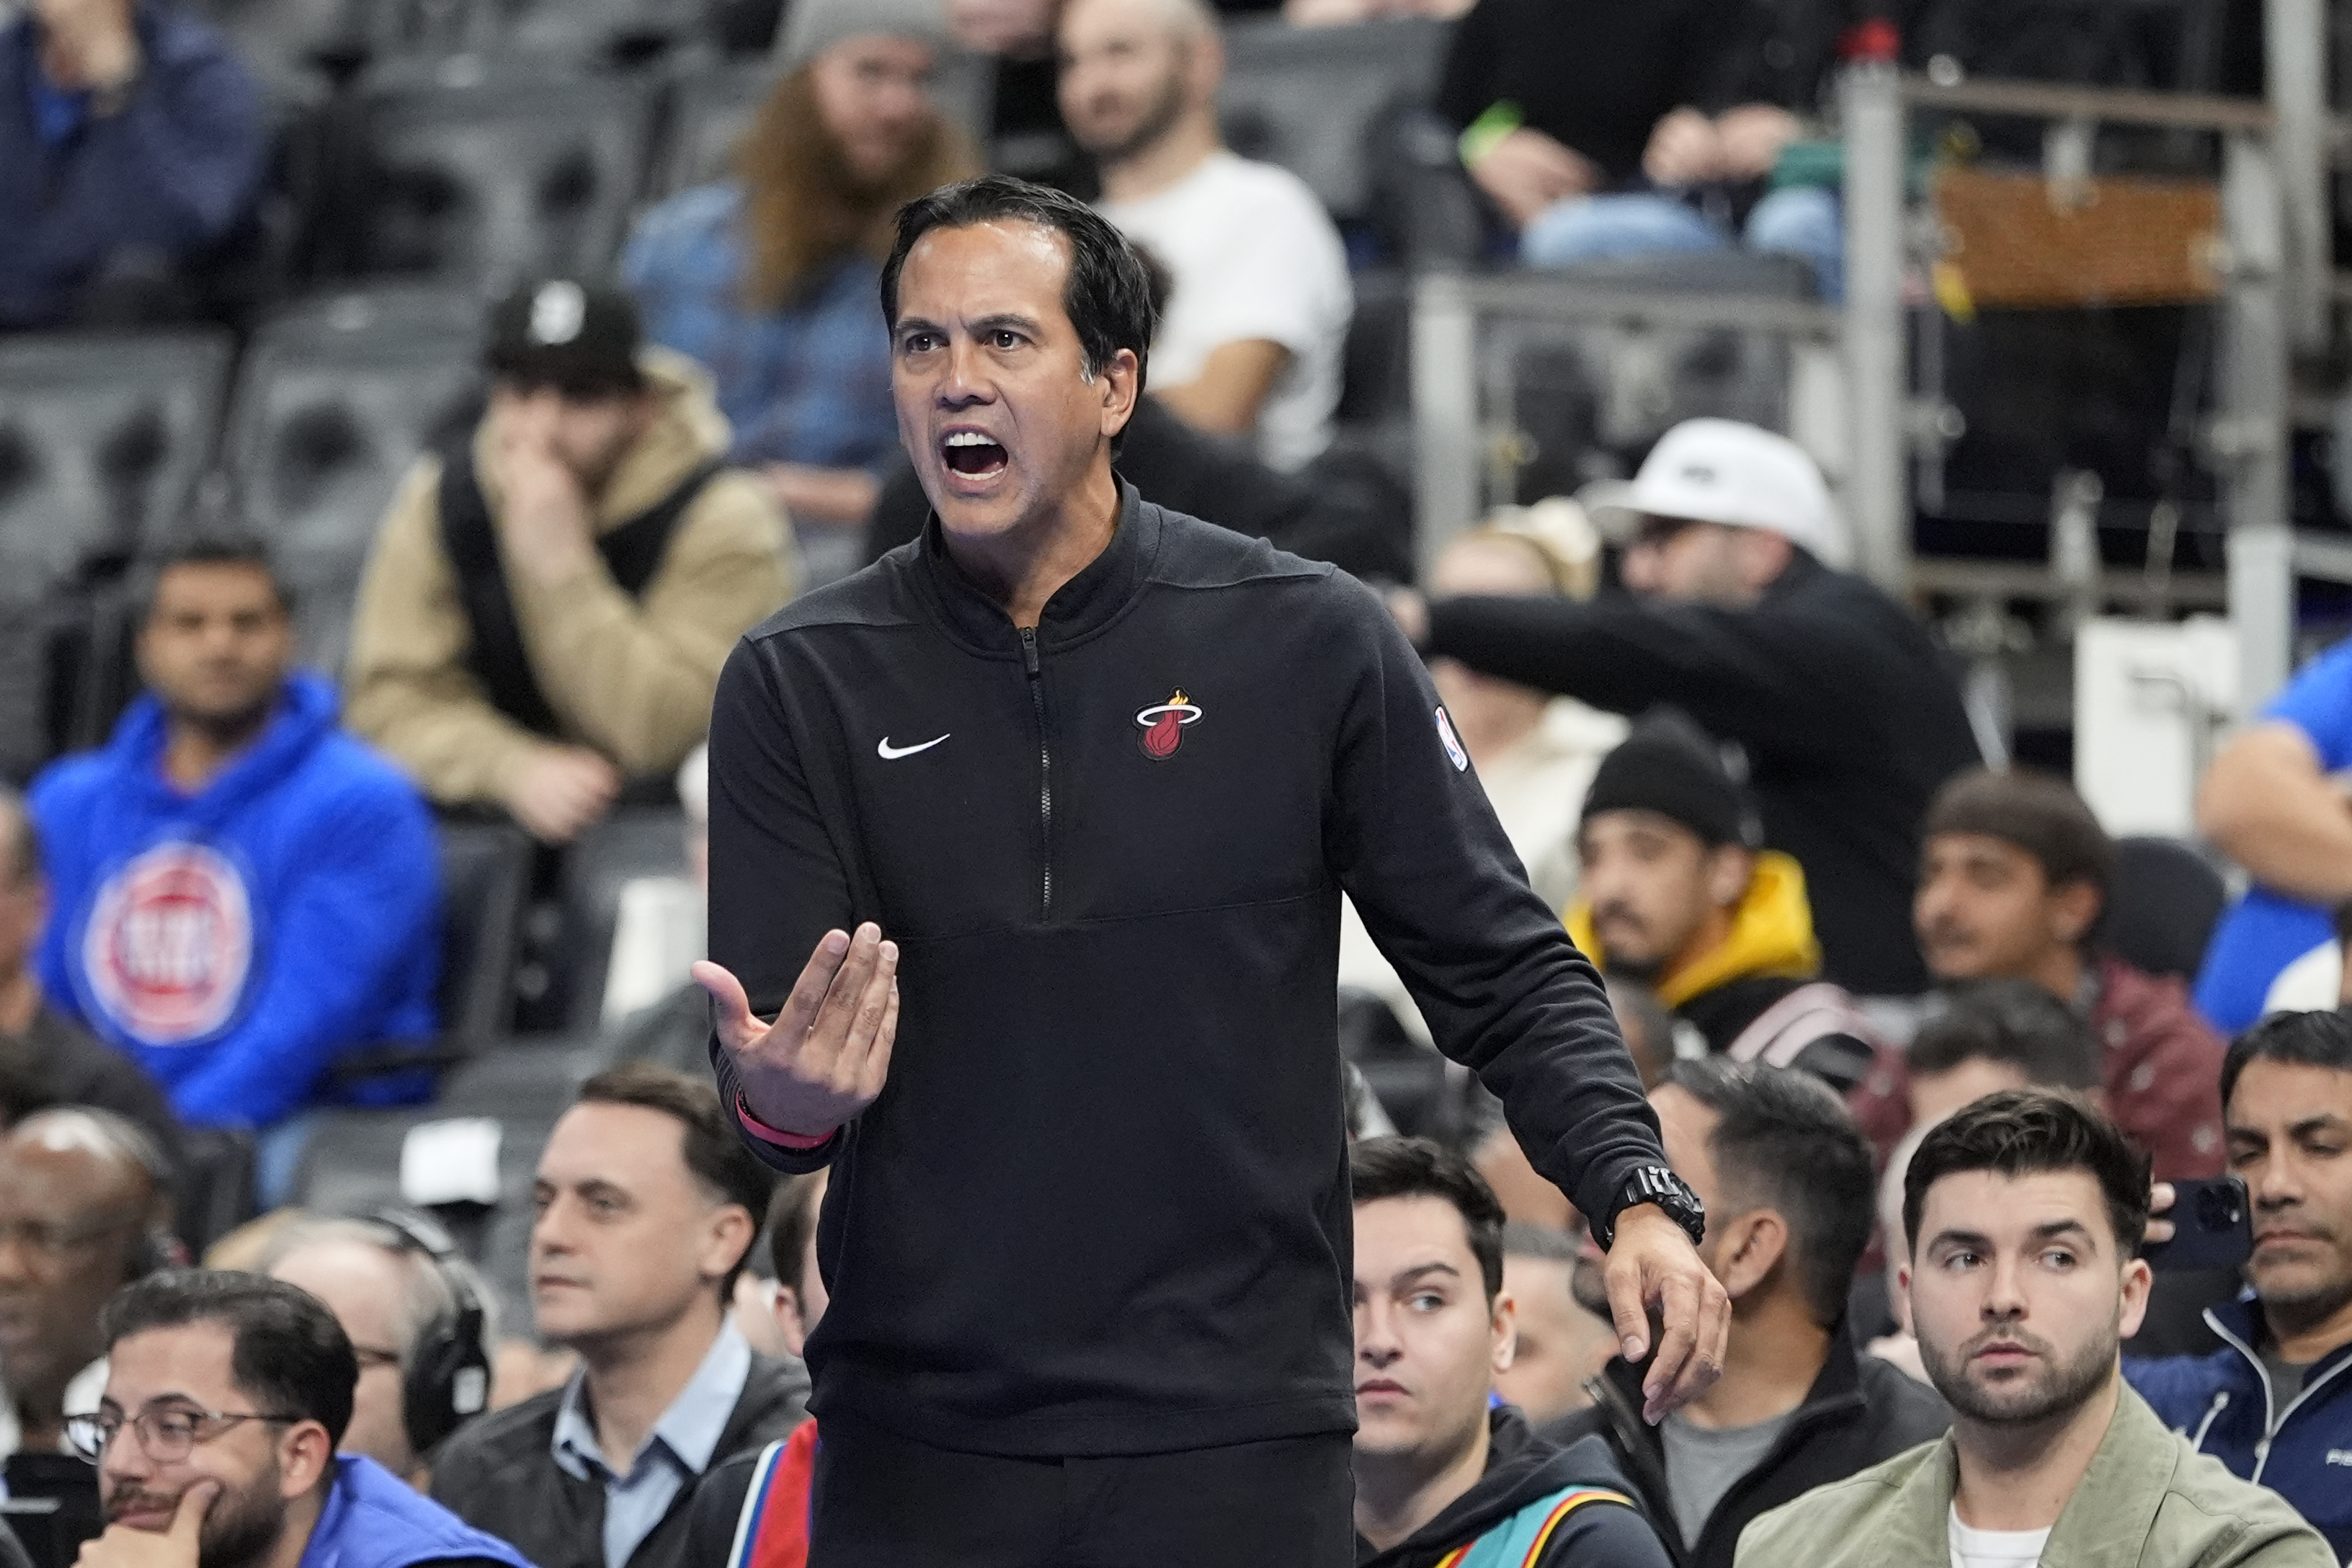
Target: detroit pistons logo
169, 944
1163, 724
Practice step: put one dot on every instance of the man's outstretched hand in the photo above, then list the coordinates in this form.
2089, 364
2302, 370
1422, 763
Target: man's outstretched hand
826, 1056
1652, 1264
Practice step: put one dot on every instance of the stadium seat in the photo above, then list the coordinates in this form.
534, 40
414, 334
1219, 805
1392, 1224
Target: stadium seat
2162, 909
597, 32
215, 1191
101, 440
633, 843
512, 176
296, 46
484, 888
1588, 398
1316, 99
335, 400
1416, 1086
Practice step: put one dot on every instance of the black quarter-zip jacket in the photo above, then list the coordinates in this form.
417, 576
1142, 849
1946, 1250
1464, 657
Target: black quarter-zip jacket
1101, 1206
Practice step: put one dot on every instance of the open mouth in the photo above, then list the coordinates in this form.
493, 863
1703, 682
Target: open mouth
971, 453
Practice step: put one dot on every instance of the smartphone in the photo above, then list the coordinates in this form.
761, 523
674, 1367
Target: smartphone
2212, 1226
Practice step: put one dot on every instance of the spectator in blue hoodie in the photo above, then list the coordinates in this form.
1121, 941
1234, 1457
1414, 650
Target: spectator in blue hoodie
2274, 1404
244, 895
131, 147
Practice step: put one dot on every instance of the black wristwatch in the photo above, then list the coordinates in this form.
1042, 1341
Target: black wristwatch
1655, 1184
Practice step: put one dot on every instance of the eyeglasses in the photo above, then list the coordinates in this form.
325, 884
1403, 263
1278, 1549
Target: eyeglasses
165, 1436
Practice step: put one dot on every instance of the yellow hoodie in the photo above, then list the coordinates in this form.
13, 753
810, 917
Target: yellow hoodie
1771, 935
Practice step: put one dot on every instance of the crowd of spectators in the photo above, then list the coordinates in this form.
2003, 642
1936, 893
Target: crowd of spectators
1932, 1113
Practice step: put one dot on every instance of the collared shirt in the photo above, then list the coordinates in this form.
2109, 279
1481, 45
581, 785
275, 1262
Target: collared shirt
681, 1446
807, 383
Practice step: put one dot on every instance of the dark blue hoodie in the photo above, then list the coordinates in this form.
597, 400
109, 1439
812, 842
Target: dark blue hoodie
2222, 1402
236, 942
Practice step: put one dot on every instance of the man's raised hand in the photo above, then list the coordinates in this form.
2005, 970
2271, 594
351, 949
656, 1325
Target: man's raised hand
828, 1053
1652, 1265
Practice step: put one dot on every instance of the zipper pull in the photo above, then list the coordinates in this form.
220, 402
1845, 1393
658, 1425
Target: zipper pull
1029, 649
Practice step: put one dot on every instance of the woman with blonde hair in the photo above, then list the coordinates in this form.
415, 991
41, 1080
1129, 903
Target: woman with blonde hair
770, 278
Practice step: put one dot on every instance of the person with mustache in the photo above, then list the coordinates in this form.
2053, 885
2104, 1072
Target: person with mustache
2023, 1214
2274, 1404
214, 1442
2014, 878
1679, 894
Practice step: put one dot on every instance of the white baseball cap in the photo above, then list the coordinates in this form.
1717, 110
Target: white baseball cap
1719, 470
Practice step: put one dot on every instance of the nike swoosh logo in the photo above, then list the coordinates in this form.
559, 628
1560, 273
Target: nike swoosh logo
890, 753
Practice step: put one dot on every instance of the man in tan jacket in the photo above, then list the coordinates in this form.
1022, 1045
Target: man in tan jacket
547, 607
2024, 1213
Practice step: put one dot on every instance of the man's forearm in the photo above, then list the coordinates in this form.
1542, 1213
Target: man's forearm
2269, 807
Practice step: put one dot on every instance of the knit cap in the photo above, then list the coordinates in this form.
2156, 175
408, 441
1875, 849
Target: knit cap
1671, 766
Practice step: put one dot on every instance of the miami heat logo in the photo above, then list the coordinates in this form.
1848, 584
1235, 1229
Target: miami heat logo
1163, 725
169, 944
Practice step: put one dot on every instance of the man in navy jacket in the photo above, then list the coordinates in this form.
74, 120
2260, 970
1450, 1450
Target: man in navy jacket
2274, 1404
131, 143
242, 893
1100, 772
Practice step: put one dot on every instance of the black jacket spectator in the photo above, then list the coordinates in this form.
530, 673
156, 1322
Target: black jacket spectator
497, 1475
1847, 713
1593, 75
133, 185
55, 1062
1522, 1468
1333, 510
1859, 1411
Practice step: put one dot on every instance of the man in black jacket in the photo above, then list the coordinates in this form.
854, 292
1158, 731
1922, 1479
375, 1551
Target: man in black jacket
1104, 770
1439, 1467
1848, 716
648, 1204
1786, 1179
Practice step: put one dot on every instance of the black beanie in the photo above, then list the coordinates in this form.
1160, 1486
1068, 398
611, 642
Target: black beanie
1671, 766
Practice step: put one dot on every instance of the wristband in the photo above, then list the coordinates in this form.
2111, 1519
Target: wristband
1500, 120
767, 1134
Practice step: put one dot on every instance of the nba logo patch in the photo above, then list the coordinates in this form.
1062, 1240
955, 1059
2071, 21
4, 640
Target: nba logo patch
1452, 746
169, 944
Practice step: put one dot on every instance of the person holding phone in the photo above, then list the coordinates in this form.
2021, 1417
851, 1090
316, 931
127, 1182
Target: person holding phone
2274, 1404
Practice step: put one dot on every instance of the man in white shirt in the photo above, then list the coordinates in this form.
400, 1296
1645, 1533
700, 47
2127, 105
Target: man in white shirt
1254, 333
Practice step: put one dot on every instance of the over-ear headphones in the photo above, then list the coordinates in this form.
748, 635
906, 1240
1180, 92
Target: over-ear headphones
448, 1379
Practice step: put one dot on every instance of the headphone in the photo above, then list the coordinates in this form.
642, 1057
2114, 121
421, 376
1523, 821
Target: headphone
447, 1378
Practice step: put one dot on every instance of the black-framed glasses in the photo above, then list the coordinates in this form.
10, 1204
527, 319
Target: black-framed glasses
165, 1436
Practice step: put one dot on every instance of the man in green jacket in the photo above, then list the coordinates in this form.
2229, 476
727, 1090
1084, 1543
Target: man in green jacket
2024, 1213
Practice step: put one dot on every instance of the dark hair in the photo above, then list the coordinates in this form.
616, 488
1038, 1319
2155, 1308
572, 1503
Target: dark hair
1784, 1140
1418, 1168
1108, 295
2023, 1132
1524, 1239
2312, 1039
289, 1357
713, 1149
2038, 812
791, 1218
2011, 1021
206, 549
20, 838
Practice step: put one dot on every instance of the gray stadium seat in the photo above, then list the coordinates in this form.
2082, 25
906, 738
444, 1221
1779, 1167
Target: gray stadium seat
484, 888
295, 45
2162, 909
638, 842
1316, 100
334, 402
512, 176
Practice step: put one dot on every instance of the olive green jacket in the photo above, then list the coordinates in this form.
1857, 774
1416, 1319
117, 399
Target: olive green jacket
2149, 1500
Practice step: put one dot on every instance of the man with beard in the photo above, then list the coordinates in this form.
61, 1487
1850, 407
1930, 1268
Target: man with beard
550, 597
2275, 1402
2023, 1214
226, 1395
1679, 895
1257, 320
244, 895
768, 278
